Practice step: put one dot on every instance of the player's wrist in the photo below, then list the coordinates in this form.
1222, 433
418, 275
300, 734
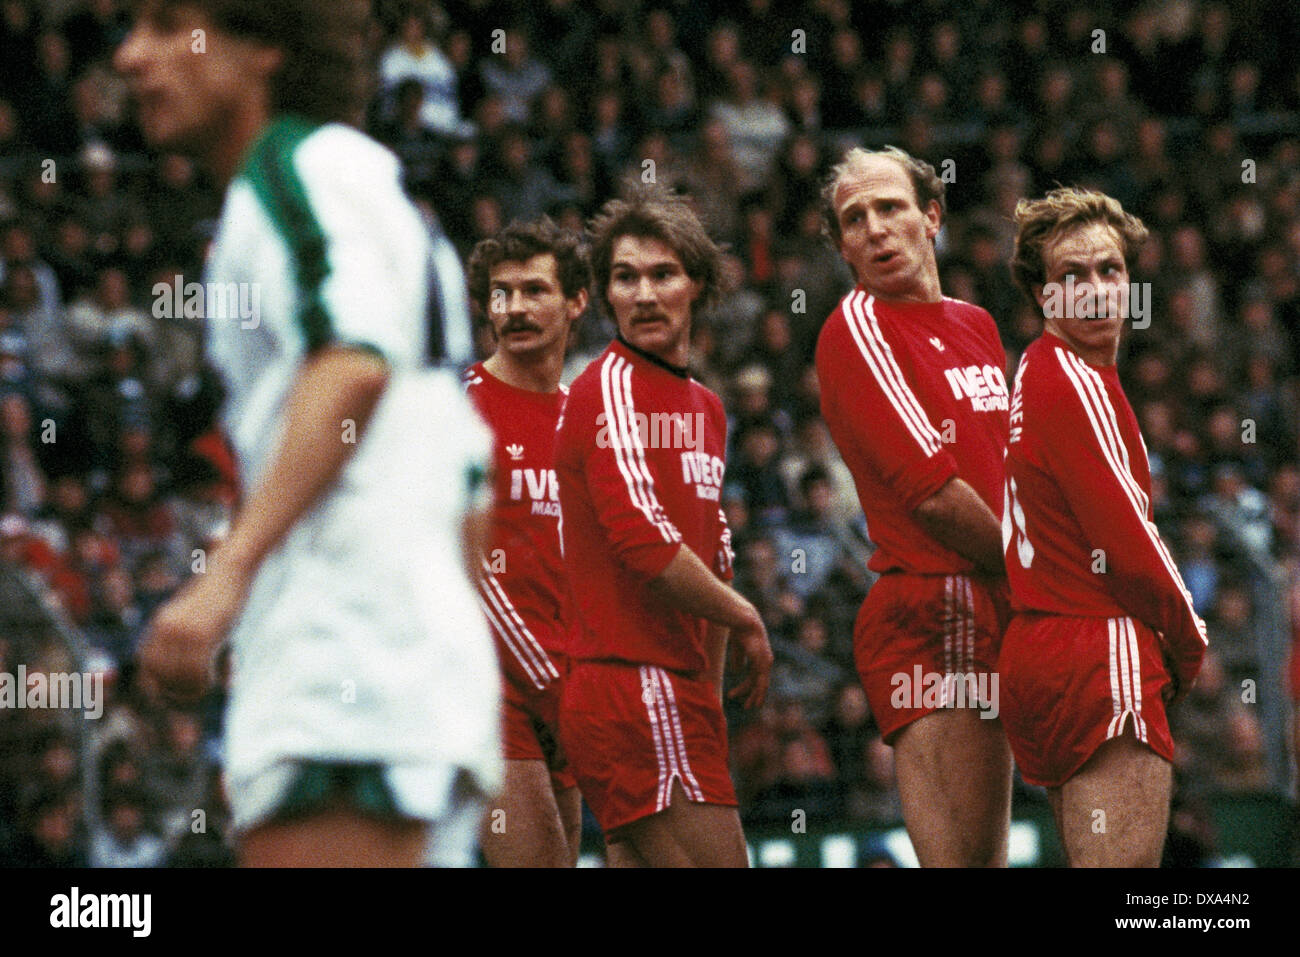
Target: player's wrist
235, 562
746, 616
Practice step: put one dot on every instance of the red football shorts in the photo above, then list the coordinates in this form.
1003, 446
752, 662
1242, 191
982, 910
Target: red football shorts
915, 631
530, 722
1071, 684
632, 731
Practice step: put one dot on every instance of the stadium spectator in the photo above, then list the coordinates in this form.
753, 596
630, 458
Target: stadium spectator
126, 841
755, 125
417, 57
408, 135
515, 76
95, 30
53, 836
525, 190
24, 480
822, 546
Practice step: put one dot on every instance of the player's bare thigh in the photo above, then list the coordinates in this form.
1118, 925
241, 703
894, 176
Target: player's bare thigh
684, 834
335, 838
621, 853
1114, 812
526, 826
954, 781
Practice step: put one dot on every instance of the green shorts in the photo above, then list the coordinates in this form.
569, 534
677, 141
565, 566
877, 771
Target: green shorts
322, 786
445, 798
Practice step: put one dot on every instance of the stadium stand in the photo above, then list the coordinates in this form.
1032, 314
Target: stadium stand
113, 479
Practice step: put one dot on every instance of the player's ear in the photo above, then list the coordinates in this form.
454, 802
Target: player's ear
576, 304
933, 219
265, 61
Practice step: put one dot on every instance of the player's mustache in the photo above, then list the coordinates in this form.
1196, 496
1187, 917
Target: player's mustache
519, 325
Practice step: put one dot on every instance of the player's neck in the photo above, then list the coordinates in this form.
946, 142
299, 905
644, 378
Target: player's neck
1103, 355
541, 375
920, 295
226, 153
926, 289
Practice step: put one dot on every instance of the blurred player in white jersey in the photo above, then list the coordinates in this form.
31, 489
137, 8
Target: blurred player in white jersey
530, 281
364, 692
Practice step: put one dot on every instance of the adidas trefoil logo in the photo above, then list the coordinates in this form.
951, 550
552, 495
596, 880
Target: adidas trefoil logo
516, 452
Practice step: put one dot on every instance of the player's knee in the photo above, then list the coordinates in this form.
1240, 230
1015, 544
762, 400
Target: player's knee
988, 850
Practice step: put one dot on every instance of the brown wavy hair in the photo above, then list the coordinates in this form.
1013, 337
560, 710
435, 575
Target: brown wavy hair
655, 212
520, 242
1041, 222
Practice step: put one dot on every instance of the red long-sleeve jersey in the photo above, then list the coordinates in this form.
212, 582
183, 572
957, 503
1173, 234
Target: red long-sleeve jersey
521, 583
640, 455
914, 394
1078, 526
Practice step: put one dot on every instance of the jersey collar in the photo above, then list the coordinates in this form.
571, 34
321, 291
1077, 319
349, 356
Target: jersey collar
680, 371
284, 127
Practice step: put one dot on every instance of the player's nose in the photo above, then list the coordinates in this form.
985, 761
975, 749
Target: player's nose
645, 291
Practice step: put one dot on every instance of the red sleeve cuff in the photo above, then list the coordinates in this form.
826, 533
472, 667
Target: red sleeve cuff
647, 561
934, 475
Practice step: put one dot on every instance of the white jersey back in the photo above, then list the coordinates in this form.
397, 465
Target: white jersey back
361, 639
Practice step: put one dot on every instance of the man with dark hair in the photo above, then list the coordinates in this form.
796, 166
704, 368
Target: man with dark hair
640, 460
362, 727
914, 395
530, 282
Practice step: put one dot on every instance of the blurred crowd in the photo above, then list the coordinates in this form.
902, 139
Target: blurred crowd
114, 480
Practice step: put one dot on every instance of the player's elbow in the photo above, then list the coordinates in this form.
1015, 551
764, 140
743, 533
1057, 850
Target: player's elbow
651, 563
940, 508
1151, 587
928, 512
358, 377
369, 376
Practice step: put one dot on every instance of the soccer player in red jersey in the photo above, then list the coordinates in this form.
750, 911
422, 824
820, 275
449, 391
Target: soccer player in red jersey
1104, 634
531, 282
640, 458
915, 397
